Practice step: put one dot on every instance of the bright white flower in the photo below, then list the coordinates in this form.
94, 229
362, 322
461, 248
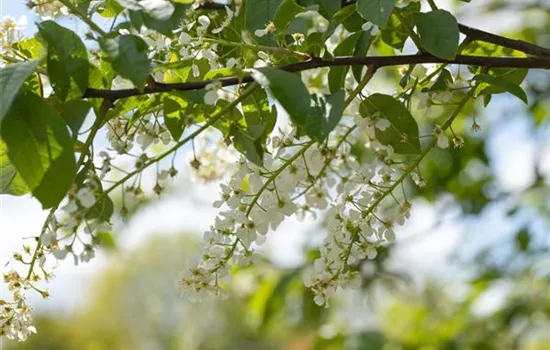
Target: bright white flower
86, 197
269, 28
382, 124
204, 21
211, 95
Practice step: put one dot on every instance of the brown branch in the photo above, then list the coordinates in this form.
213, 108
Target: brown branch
377, 61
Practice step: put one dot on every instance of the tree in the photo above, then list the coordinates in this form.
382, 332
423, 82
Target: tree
169, 74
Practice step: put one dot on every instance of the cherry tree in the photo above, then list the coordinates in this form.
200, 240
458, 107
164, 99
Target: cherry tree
278, 99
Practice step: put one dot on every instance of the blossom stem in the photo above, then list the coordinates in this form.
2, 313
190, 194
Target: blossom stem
74, 10
274, 49
85, 148
213, 119
368, 76
415, 163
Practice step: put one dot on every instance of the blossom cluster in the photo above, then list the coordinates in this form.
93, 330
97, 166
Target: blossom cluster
48, 9
11, 31
15, 315
75, 230
301, 178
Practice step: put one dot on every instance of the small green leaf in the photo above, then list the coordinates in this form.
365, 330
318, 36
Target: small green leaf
395, 34
128, 54
361, 49
337, 75
503, 83
31, 48
11, 181
40, 148
159, 15
438, 32
327, 8
349, 18
402, 134
442, 82
375, 11
11, 79
67, 60
74, 112
286, 13
259, 115
288, 89
481, 48
324, 115
249, 146
103, 209
111, 8
173, 117
513, 75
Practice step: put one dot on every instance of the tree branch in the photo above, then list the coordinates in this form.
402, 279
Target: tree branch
377, 61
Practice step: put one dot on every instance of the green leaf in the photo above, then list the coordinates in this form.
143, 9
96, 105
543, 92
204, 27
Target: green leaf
324, 115
327, 8
438, 32
337, 75
375, 11
481, 48
128, 54
503, 83
111, 9
103, 209
402, 134
31, 48
74, 112
258, 14
11, 181
349, 18
248, 145
11, 79
158, 15
361, 49
40, 148
513, 75
442, 82
67, 60
259, 115
173, 117
395, 34
286, 13
288, 89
